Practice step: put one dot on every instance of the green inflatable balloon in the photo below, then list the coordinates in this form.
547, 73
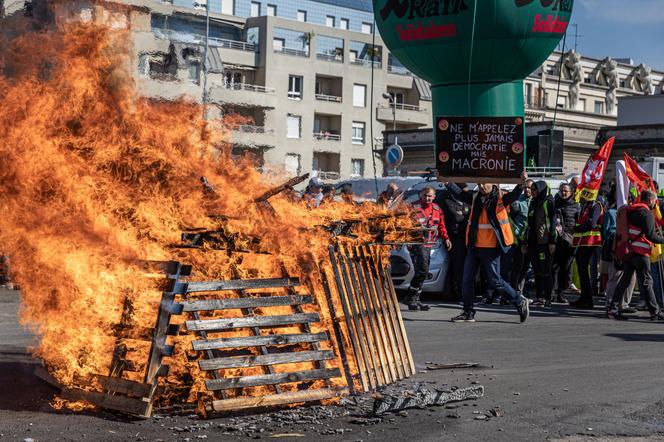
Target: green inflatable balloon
475, 53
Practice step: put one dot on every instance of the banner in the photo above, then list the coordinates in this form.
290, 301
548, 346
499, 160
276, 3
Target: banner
480, 149
622, 185
593, 173
638, 176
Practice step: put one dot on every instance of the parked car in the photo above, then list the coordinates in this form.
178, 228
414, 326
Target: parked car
365, 188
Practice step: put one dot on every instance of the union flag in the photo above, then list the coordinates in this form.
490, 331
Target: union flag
593, 173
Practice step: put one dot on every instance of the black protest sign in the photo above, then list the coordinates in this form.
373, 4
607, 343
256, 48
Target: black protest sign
480, 149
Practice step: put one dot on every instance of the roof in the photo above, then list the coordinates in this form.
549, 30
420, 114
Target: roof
361, 5
423, 88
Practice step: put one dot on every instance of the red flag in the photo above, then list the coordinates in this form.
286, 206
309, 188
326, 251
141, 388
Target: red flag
637, 175
593, 173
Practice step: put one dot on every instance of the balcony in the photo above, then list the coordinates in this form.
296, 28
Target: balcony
402, 113
398, 70
367, 63
232, 44
293, 52
253, 136
250, 87
326, 136
330, 98
245, 94
200, 39
332, 58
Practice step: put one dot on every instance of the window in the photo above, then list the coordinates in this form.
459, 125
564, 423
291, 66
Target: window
292, 164
357, 168
228, 7
581, 105
352, 55
359, 95
272, 10
623, 84
143, 65
358, 132
599, 107
233, 80
255, 9
588, 80
343, 23
194, 71
294, 124
367, 28
329, 21
397, 97
294, 87
302, 16
278, 44
562, 103
528, 94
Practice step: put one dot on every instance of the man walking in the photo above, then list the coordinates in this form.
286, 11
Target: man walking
641, 235
429, 215
567, 211
588, 242
489, 234
456, 221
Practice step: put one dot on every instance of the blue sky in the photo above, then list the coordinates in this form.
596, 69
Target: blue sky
620, 29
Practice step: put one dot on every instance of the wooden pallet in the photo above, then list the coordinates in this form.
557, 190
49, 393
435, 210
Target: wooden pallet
260, 350
112, 391
372, 316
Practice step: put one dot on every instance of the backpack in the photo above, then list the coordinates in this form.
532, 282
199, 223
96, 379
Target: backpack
622, 249
565, 237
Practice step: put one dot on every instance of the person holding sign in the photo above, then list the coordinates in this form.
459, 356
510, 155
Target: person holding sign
488, 236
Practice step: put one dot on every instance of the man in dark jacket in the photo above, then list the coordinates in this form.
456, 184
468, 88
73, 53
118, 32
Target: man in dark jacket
489, 235
540, 240
568, 212
456, 221
641, 236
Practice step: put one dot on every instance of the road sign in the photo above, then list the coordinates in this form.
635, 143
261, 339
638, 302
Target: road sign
394, 156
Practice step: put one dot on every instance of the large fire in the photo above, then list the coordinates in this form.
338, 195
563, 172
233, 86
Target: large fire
94, 178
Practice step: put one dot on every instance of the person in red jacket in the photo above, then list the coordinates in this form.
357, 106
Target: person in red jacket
430, 216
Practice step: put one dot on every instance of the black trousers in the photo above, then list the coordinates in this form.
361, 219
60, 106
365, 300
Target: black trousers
542, 261
588, 277
562, 267
640, 265
457, 256
519, 269
421, 257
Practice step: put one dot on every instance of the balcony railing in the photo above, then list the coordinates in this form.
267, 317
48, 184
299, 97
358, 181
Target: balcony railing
200, 40
367, 63
401, 106
332, 98
293, 52
247, 128
328, 176
249, 87
398, 70
328, 57
326, 136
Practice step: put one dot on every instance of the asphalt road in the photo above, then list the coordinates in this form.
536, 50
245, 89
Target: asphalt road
563, 375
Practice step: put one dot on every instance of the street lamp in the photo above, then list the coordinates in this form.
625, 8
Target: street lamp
393, 103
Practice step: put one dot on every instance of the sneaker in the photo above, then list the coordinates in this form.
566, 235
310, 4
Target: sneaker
413, 307
630, 310
547, 303
423, 307
523, 309
488, 300
658, 317
573, 289
538, 303
464, 317
560, 299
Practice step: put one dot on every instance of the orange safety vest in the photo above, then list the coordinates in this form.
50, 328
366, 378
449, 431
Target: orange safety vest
590, 238
486, 234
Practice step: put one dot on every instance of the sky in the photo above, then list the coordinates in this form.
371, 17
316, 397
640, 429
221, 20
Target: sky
620, 29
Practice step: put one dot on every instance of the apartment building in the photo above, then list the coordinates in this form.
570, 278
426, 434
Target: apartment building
315, 86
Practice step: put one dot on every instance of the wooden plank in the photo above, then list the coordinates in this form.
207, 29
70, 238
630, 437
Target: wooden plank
381, 331
134, 406
352, 324
269, 359
370, 311
124, 386
393, 294
240, 303
401, 354
241, 284
356, 307
41, 372
272, 379
292, 397
255, 341
252, 321
387, 325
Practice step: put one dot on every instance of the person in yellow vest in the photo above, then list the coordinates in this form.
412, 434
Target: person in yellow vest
587, 240
488, 236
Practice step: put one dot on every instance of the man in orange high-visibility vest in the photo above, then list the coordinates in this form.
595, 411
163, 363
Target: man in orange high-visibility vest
488, 236
641, 235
